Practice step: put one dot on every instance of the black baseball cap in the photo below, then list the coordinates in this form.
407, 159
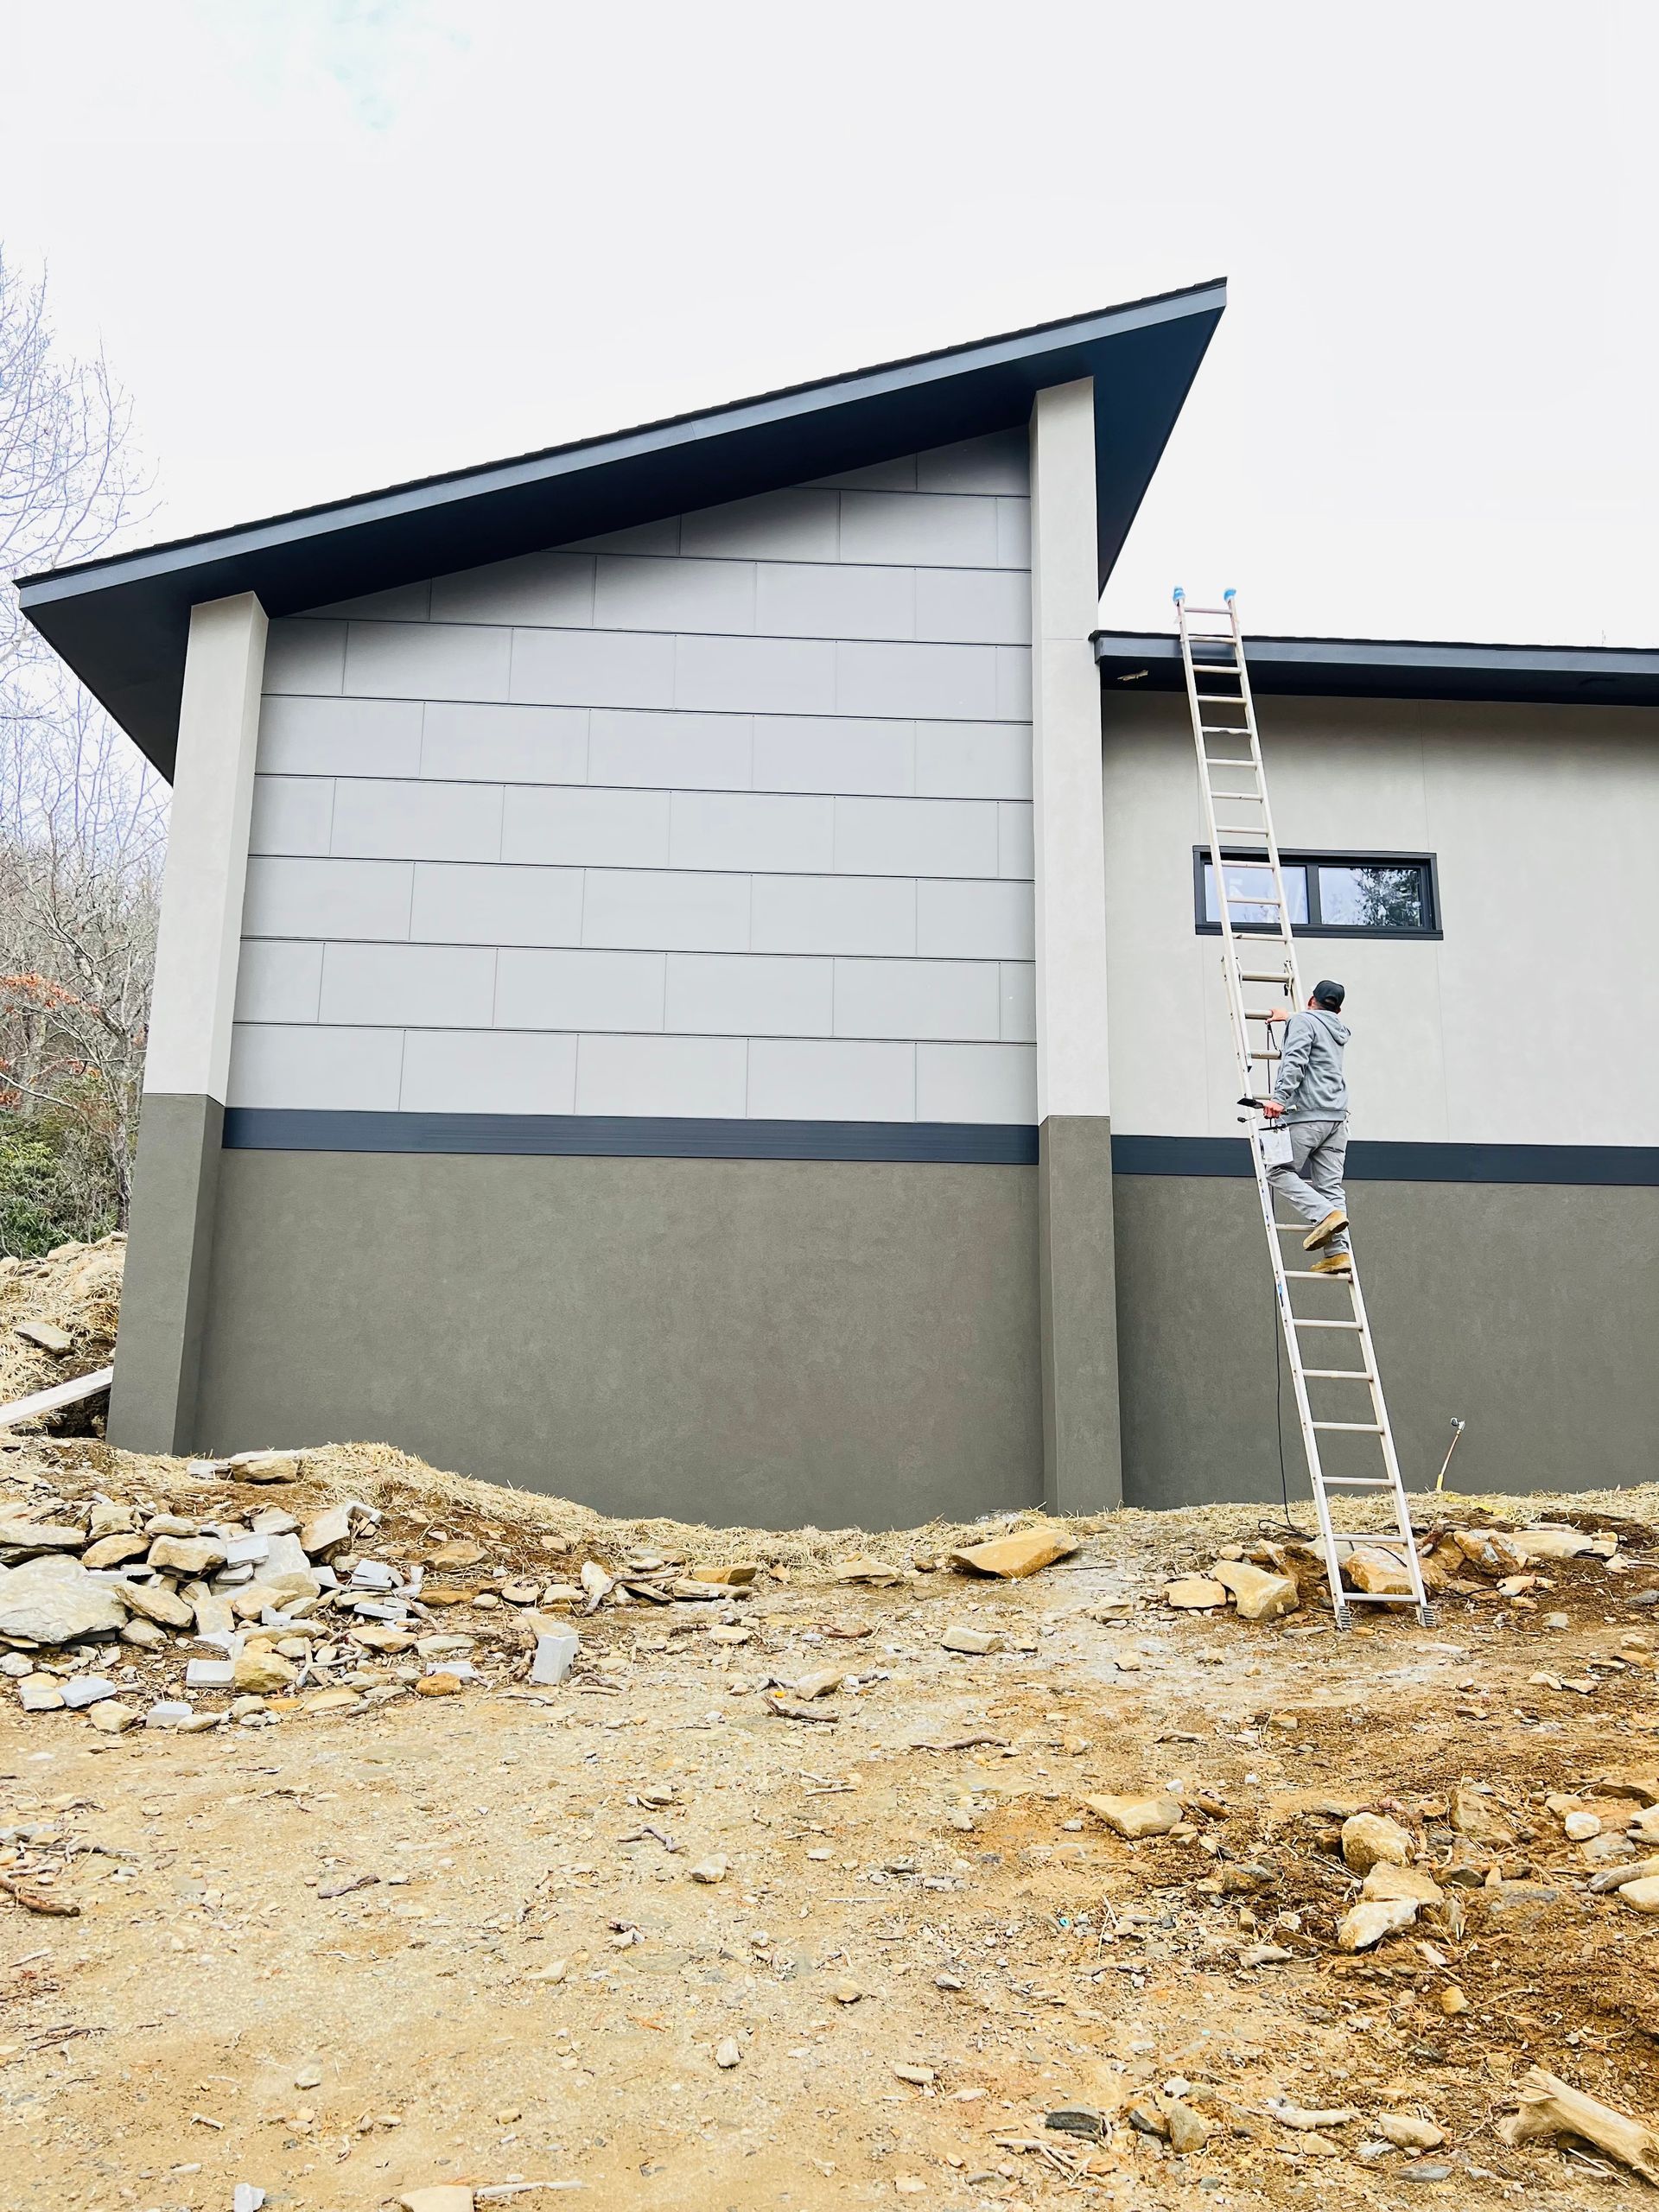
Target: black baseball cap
1329, 995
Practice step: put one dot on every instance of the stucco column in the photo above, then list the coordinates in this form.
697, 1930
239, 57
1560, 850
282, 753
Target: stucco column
1082, 1457
187, 1064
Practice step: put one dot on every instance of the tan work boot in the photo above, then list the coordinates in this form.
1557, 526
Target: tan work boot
1334, 1263
1335, 1220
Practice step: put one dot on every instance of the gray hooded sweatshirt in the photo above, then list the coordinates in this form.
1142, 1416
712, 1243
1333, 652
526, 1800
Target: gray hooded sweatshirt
1310, 1084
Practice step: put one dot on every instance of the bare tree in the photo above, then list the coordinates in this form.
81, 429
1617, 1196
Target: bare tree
69, 482
82, 820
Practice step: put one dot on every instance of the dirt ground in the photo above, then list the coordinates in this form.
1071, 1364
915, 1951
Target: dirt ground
528, 1987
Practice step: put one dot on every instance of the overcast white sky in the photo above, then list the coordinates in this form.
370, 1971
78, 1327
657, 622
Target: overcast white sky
332, 243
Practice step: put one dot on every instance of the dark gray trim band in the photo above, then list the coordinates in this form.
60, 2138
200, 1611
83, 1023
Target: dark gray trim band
1628, 1165
265, 1128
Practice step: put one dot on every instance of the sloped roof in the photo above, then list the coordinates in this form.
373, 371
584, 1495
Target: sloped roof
121, 623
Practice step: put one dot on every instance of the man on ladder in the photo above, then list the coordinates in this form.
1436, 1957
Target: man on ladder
1309, 1097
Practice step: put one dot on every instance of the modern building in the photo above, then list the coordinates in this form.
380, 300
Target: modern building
687, 977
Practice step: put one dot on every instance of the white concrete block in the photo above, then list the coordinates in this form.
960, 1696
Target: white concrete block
973, 760
990, 607
761, 676
1013, 533
456, 903
699, 1075
834, 752
915, 836
753, 830
302, 736
303, 656
976, 921
834, 913
880, 476
797, 524
401, 603
466, 742
665, 751
1016, 854
828, 599
355, 1070
579, 990
488, 1071
537, 590
660, 537
593, 667
427, 660
999, 462
802, 1080
917, 998
918, 529
417, 822
1013, 681
291, 814
327, 898
408, 986
590, 828
951, 681
976, 1082
748, 994
1019, 1002
278, 980
676, 909
636, 593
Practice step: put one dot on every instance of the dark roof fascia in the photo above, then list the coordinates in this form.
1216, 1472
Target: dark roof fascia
1400, 668
121, 623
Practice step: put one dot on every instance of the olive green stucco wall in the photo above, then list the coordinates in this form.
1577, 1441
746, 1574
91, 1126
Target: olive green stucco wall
771, 1342
1530, 1309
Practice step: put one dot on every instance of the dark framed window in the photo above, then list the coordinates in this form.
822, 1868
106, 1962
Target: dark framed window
1330, 894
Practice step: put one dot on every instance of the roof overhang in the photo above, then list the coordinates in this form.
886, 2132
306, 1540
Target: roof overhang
1375, 668
122, 623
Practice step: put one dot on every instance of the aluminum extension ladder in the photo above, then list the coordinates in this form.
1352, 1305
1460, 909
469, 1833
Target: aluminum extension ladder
1224, 734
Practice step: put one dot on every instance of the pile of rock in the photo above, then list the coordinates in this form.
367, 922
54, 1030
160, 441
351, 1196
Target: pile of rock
1263, 1581
269, 1610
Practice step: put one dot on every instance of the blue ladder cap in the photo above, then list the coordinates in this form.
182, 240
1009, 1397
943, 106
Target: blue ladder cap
1180, 594
1230, 595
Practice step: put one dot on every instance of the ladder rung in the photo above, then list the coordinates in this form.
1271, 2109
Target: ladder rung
1249, 899
1240, 830
1378, 1598
1305, 1321
1306, 1275
1341, 1374
1250, 975
1229, 729
1259, 1014
1259, 937
1381, 1538
1219, 698
1359, 1427
1267, 1056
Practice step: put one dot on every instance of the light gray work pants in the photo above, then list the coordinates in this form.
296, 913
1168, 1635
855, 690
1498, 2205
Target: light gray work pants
1312, 1182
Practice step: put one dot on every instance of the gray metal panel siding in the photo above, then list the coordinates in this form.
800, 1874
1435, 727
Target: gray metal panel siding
730, 817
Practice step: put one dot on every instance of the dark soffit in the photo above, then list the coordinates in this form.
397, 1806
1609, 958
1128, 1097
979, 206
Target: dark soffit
1399, 668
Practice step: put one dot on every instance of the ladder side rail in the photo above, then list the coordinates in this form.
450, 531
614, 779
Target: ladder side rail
1229, 946
1270, 835
1391, 1458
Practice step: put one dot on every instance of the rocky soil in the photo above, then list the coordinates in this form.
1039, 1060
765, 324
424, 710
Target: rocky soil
526, 1855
